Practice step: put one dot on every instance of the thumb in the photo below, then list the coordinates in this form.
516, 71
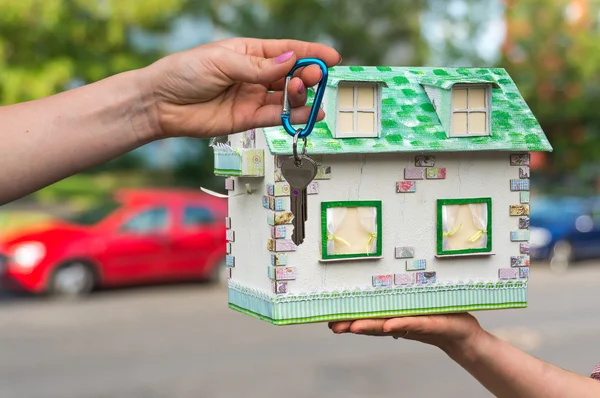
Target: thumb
251, 69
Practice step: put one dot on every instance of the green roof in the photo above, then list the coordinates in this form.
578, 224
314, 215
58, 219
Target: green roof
409, 123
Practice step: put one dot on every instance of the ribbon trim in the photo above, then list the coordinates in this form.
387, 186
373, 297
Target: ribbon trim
337, 239
453, 232
478, 235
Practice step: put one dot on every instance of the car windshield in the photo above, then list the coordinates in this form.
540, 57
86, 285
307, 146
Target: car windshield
95, 214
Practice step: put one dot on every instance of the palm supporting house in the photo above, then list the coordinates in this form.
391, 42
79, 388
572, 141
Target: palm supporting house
420, 205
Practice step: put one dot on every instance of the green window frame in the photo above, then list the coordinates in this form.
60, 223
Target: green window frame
324, 233
440, 229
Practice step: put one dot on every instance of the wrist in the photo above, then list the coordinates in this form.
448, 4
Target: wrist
144, 112
470, 349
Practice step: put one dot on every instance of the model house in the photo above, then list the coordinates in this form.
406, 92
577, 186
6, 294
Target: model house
420, 205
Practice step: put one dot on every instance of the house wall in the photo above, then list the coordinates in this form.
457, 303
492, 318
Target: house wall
249, 222
409, 219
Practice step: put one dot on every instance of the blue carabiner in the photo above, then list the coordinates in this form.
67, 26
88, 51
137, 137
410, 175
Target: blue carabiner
314, 112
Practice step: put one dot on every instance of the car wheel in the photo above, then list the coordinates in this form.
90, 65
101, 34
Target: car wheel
74, 279
561, 256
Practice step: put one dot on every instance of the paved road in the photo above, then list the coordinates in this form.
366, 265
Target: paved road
181, 341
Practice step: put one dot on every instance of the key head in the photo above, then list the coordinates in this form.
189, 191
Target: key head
299, 175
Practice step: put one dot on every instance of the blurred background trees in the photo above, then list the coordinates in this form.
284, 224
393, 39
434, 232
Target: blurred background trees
550, 47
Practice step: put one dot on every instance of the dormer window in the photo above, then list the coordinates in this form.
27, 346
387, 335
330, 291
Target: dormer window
358, 110
470, 110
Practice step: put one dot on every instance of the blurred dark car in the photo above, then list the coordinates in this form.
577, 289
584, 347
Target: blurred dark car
564, 230
145, 236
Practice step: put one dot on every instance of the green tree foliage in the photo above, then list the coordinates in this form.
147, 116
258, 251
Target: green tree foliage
553, 53
367, 32
45, 45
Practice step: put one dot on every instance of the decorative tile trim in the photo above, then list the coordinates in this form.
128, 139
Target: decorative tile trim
524, 223
524, 173
436, 173
228, 273
229, 261
413, 173
383, 280
405, 252
519, 159
281, 245
424, 161
524, 197
279, 287
519, 185
227, 222
524, 248
524, 272
273, 203
406, 186
508, 273
278, 232
405, 278
278, 259
519, 210
280, 218
382, 302
230, 235
312, 188
519, 261
426, 278
229, 184
278, 176
228, 248
416, 265
323, 173
520, 235
282, 273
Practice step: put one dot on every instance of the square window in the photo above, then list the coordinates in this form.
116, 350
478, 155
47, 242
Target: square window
470, 110
351, 229
358, 110
464, 226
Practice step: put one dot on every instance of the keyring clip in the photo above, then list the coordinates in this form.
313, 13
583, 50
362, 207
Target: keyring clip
314, 112
297, 158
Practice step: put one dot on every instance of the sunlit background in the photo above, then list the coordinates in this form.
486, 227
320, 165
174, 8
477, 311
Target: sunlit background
179, 340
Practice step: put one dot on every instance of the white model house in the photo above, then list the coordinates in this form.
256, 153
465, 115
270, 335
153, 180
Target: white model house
420, 205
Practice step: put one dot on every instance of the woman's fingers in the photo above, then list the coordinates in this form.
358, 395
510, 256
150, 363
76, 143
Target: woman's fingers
270, 115
373, 327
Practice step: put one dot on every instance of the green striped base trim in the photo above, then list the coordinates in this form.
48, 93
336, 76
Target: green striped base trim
380, 314
315, 308
225, 172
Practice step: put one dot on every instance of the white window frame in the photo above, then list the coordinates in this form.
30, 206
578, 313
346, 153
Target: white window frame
355, 109
487, 110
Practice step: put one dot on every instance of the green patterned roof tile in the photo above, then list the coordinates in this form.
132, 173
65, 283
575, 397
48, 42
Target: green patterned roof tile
409, 122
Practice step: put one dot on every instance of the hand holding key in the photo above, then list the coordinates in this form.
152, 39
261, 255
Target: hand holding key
299, 171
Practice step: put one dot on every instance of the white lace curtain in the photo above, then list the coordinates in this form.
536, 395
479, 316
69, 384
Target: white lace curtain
335, 218
449, 227
480, 221
368, 219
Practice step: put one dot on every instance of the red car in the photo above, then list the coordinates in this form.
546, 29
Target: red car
145, 236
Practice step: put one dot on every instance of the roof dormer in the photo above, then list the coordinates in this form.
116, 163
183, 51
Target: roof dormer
464, 106
354, 108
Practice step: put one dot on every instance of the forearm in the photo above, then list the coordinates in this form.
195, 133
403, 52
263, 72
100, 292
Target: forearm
508, 372
49, 139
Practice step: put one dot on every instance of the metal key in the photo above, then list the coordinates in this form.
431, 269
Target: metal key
299, 171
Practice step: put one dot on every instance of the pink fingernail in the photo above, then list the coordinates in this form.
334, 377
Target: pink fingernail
302, 88
284, 57
386, 330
